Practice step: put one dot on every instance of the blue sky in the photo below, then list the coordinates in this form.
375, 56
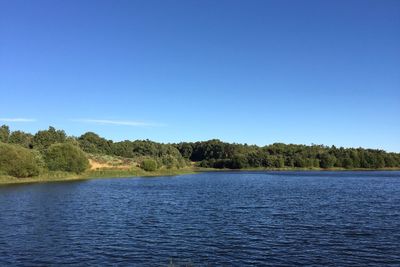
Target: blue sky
256, 72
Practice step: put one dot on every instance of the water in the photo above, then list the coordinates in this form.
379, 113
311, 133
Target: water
208, 219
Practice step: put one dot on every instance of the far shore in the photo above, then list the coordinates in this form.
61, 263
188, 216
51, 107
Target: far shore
97, 174
117, 173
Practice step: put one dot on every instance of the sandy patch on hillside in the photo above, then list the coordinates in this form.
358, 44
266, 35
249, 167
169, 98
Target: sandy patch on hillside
95, 165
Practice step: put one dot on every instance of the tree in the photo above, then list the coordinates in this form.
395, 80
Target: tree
93, 143
279, 162
44, 139
239, 162
327, 161
347, 163
379, 161
145, 148
185, 149
4, 133
21, 138
123, 149
390, 160
18, 161
300, 162
66, 157
255, 159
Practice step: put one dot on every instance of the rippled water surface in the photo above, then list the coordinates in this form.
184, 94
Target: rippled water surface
208, 219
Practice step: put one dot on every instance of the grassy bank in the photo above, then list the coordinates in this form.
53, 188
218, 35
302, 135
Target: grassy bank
93, 174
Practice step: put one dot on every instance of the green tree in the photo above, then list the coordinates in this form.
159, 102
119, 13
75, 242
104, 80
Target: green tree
379, 161
123, 149
279, 162
4, 133
390, 160
43, 139
185, 149
347, 163
327, 160
300, 162
239, 162
93, 143
18, 161
66, 157
21, 138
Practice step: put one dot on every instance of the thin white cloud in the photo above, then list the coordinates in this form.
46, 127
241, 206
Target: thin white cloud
17, 120
120, 123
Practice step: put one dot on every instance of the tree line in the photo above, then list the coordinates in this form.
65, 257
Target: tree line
24, 154
218, 154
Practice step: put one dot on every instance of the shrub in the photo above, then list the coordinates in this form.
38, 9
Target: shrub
18, 161
149, 165
66, 157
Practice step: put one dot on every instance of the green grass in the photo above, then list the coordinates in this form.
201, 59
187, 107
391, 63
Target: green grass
92, 174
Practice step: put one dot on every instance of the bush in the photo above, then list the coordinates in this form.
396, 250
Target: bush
66, 157
18, 161
149, 165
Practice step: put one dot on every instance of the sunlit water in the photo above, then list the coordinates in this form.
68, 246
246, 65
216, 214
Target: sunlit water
208, 219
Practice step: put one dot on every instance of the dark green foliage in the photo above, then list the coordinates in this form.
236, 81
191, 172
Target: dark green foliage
4, 133
43, 139
327, 160
279, 162
18, 161
212, 149
21, 138
390, 160
217, 154
66, 157
185, 149
92, 143
239, 162
146, 148
123, 149
149, 165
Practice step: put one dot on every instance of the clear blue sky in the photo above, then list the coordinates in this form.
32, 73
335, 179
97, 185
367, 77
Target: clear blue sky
257, 72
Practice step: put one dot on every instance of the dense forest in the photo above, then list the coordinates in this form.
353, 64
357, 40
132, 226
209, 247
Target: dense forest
25, 155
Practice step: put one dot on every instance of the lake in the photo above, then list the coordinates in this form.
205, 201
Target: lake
207, 219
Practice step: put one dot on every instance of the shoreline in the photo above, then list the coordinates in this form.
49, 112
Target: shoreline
89, 175
299, 169
113, 173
